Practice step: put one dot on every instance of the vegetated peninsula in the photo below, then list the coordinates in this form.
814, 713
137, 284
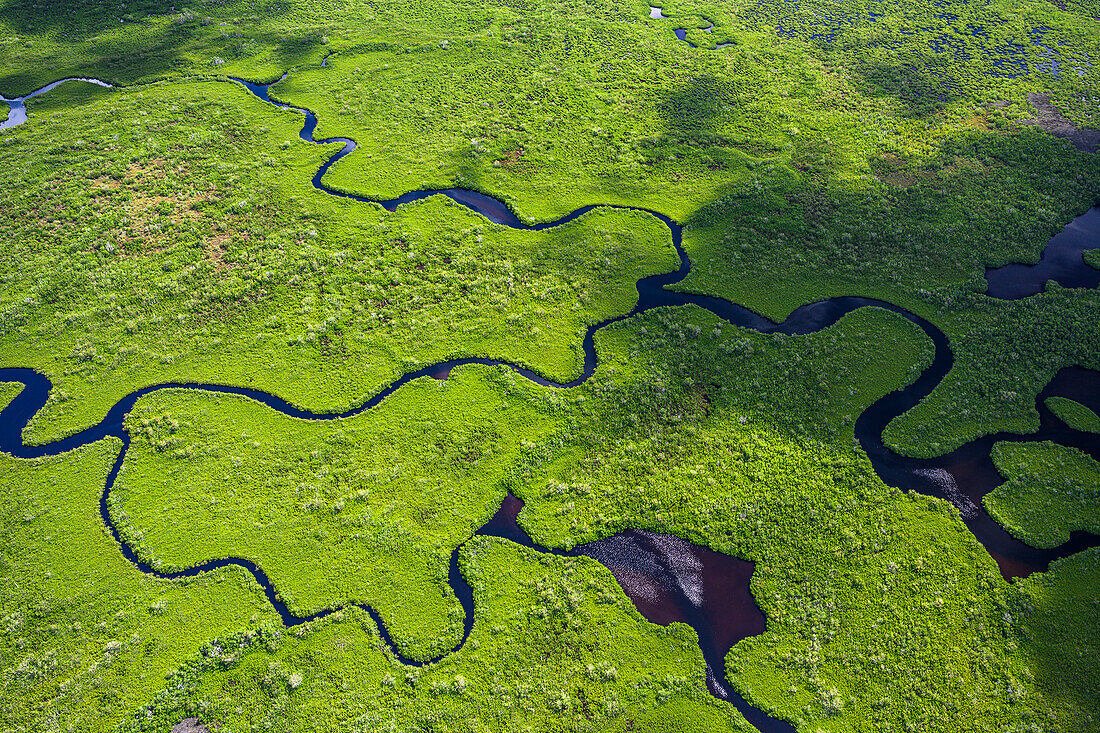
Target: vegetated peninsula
556, 366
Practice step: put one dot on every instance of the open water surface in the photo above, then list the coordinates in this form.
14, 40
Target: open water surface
1061, 261
17, 107
667, 578
681, 33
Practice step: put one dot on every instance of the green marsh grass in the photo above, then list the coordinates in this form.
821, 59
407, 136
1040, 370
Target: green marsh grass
1049, 491
86, 637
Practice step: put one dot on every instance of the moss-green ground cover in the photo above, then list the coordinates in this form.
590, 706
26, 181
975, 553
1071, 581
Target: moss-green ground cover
360, 510
334, 677
742, 442
171, 234
815, 178
8, 391
86, 637
1092, 257
930, 55
1049, 491
547, 125
150, 39
556, 646
1059, 634
368, 509
1074, 414
1005, 352
797, 182
792, 245
717, 434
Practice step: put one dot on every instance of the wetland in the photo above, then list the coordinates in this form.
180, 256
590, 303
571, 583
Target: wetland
337, 392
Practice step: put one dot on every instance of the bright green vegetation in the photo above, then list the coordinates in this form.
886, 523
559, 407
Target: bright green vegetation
538, 121
1005, 353
333, 676
1059, 633
383, 497
1092, 257
645, 112
608, 113
805, 168
685, 410
556, 646
729, 438
85, 637
170, 233
1074, 414
931, 55
740, 442
927, 57
922, 236
360, 510
8, 392
150, 39
981, 203
1049, 491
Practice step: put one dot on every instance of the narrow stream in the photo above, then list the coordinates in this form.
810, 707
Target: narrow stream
667, 578
17, 107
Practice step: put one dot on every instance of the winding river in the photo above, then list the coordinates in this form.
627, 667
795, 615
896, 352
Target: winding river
681, 33
667, 578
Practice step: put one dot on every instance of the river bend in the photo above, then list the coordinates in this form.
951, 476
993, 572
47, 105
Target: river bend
666, 577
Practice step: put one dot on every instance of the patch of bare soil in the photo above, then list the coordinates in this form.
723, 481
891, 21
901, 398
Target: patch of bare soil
1051, 119
189, 725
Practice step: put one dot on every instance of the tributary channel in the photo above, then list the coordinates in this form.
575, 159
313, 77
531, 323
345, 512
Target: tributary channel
667, 578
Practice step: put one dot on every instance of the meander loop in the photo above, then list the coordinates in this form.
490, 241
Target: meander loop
922, 475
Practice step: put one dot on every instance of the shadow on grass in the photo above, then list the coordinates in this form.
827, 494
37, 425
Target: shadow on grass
148, 41
84, 17
924, 87
689, 111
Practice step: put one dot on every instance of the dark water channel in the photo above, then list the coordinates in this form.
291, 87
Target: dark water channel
1061, 261
668, 578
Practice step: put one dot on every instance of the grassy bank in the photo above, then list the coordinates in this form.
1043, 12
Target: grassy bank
601, 666
361, 510
171, 234
86, 637
1074, 414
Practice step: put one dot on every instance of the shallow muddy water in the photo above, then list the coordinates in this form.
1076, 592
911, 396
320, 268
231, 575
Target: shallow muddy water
670, 580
